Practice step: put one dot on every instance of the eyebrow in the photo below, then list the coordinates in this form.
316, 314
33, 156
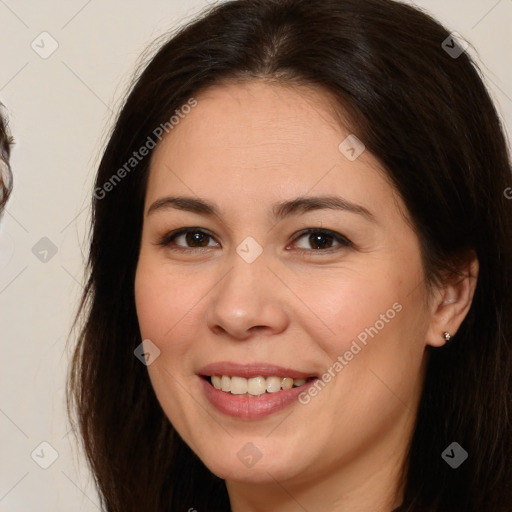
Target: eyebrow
279, 210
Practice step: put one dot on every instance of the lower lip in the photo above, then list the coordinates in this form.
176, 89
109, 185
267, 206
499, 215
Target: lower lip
252, 407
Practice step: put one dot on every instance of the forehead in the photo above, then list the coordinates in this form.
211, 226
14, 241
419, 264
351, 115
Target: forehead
260, 141
241, 116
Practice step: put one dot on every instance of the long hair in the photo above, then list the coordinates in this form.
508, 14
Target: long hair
424, 113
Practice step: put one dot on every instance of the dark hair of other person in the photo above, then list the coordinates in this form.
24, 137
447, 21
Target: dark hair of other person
430, 121
5, 167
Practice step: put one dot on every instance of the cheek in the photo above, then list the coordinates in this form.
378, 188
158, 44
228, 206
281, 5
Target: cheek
374, 319
169, 306
382, 348
159, 303
355, 307
162, 310
150, 302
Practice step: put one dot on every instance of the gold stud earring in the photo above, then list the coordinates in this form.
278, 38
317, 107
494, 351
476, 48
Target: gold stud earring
447, 336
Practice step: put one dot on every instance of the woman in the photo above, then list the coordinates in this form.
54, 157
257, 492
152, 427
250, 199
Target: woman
299, 292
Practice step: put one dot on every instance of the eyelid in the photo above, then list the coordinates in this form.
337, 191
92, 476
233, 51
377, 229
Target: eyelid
342, 240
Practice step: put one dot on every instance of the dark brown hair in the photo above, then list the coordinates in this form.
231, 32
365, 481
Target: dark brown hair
5, 167
427, 117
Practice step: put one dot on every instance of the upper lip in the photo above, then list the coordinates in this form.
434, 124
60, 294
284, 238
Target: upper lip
251, 370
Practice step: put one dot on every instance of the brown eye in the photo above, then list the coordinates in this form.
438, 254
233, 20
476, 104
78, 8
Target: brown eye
188, 238
321, 240
196, 237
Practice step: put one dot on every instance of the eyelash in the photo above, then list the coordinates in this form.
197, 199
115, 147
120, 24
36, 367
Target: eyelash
167, 240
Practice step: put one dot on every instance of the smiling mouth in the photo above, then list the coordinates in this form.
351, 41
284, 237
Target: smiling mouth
254, 386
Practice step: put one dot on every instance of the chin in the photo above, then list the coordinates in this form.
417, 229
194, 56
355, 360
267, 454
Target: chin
254, 475
247, 465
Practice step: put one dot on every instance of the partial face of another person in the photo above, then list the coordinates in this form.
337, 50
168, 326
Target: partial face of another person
331, 290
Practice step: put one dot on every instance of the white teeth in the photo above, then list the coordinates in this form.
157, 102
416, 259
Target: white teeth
273, 384
217, 382
225, 383
287, 383
254, 386
238, 385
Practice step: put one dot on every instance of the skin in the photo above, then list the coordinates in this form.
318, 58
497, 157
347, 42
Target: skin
244, 147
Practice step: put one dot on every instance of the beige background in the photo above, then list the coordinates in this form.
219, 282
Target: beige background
60, 109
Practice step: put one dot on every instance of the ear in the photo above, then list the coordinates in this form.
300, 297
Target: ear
451, 302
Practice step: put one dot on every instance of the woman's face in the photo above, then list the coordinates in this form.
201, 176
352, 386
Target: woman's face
250, 290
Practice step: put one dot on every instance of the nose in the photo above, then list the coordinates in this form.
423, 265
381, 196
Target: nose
249, 300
